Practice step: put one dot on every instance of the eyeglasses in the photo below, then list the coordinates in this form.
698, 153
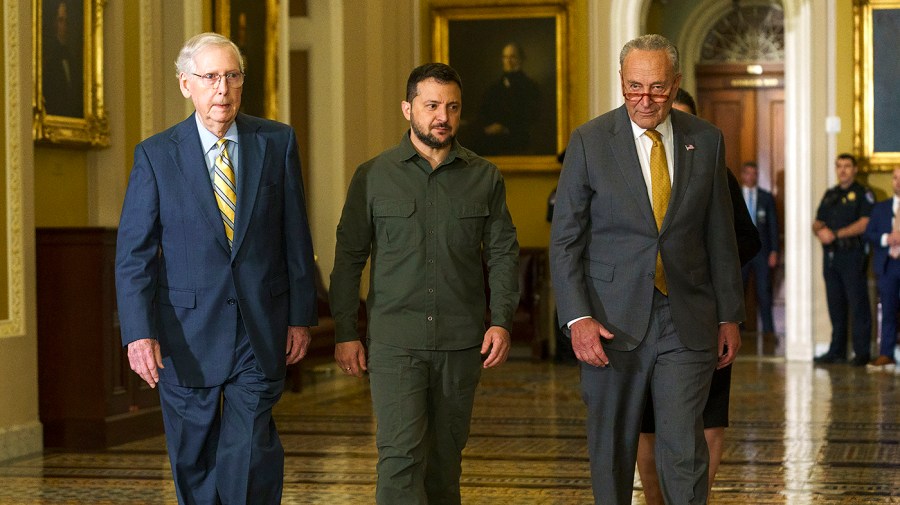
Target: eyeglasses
637, 97
234, 79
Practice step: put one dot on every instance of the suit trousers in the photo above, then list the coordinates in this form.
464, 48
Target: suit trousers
889, 294
423, 404
847, 293
759, 266
222, 441
679, 379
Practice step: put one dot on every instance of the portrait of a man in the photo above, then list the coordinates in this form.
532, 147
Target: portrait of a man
508, 68
62, 74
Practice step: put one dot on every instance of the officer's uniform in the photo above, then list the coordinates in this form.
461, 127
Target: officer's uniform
845, 271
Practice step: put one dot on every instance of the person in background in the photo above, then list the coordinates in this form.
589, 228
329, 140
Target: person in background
883, 232
761, 205
841, 219
215, 280
715, 413
426, 212
646, 275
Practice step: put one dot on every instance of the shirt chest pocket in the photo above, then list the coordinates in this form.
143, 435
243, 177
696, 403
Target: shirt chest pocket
466, 223
395, 223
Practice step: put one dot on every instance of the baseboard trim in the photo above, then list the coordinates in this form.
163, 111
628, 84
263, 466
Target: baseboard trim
21, 440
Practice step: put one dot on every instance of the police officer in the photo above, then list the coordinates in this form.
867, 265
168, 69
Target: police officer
840, 222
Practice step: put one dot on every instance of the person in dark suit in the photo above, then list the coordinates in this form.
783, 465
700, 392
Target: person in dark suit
646, 274
215, 280
761, 205
883, 232
715, 412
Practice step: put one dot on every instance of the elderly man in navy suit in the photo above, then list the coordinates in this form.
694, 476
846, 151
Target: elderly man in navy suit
215, 280
761, 205
646, 275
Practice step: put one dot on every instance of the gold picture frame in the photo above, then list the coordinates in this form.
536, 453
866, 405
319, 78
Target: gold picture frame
253, 26
496, 51
67, 102
877, 70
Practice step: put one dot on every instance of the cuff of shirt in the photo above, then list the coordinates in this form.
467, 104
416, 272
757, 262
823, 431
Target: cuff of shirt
570, 323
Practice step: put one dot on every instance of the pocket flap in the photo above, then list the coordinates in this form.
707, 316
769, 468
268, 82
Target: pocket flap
463, 209
394, 208
599, 270
185, 298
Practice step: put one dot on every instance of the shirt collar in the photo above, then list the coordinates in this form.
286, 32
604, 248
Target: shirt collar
208, 140
664, 128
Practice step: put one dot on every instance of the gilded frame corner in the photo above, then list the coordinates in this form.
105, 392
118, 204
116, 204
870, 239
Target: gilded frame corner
555, 73
874, 82
267, 94
89, 126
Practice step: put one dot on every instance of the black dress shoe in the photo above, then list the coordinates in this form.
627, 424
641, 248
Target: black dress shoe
859, 361
827, 359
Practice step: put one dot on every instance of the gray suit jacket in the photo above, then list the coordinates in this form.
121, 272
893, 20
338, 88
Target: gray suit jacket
604, 239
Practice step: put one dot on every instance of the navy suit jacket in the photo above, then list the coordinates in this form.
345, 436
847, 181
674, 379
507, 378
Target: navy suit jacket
176, 278
879, 224
766, 221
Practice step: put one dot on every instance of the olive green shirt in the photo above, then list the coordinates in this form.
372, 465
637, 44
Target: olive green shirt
426, 231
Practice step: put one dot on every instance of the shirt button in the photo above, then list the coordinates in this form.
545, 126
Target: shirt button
231, 301
430, 261
431, 232
430, 318
431, 290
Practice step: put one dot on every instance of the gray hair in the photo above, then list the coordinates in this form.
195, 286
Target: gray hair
185, 61
652, 42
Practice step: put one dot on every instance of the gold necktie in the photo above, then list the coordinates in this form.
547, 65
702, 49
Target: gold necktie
225, 188
661, 188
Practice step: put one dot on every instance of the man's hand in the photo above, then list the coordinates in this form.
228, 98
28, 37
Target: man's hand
729, 343
145, 359
773, 259
298, 339
351, 357
496, 339
825, 236
586, 335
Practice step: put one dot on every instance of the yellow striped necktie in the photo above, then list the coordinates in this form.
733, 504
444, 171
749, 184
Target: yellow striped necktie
661, 190
225, 189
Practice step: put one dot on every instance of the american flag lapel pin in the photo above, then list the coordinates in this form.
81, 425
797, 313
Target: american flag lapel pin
689, 147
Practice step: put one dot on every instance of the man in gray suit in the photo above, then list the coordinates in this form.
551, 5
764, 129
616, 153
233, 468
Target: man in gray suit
646, 274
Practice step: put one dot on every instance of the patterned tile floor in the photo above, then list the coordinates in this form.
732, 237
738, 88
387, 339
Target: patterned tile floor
800, 435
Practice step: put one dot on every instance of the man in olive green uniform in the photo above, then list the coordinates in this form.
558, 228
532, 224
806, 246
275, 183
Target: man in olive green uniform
428, 211
841, 219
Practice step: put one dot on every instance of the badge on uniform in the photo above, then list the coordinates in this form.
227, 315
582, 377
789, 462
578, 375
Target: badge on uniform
851, 196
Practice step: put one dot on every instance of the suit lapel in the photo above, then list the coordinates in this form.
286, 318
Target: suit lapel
250, 167
188, 157
629, 166
683, 150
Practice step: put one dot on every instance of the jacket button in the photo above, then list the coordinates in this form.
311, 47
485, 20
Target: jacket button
231, 301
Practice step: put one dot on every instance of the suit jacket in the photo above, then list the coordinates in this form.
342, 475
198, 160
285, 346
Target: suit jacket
176, 278
766, 220
745, 231
604, 238
879, 224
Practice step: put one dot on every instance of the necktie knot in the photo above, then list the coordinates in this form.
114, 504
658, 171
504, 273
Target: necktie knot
654, 135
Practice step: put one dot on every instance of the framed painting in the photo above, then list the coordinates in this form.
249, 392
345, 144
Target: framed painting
512, 62
253, 26
877, 69
68, 73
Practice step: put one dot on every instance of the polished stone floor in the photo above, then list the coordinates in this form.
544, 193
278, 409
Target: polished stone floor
800, 434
